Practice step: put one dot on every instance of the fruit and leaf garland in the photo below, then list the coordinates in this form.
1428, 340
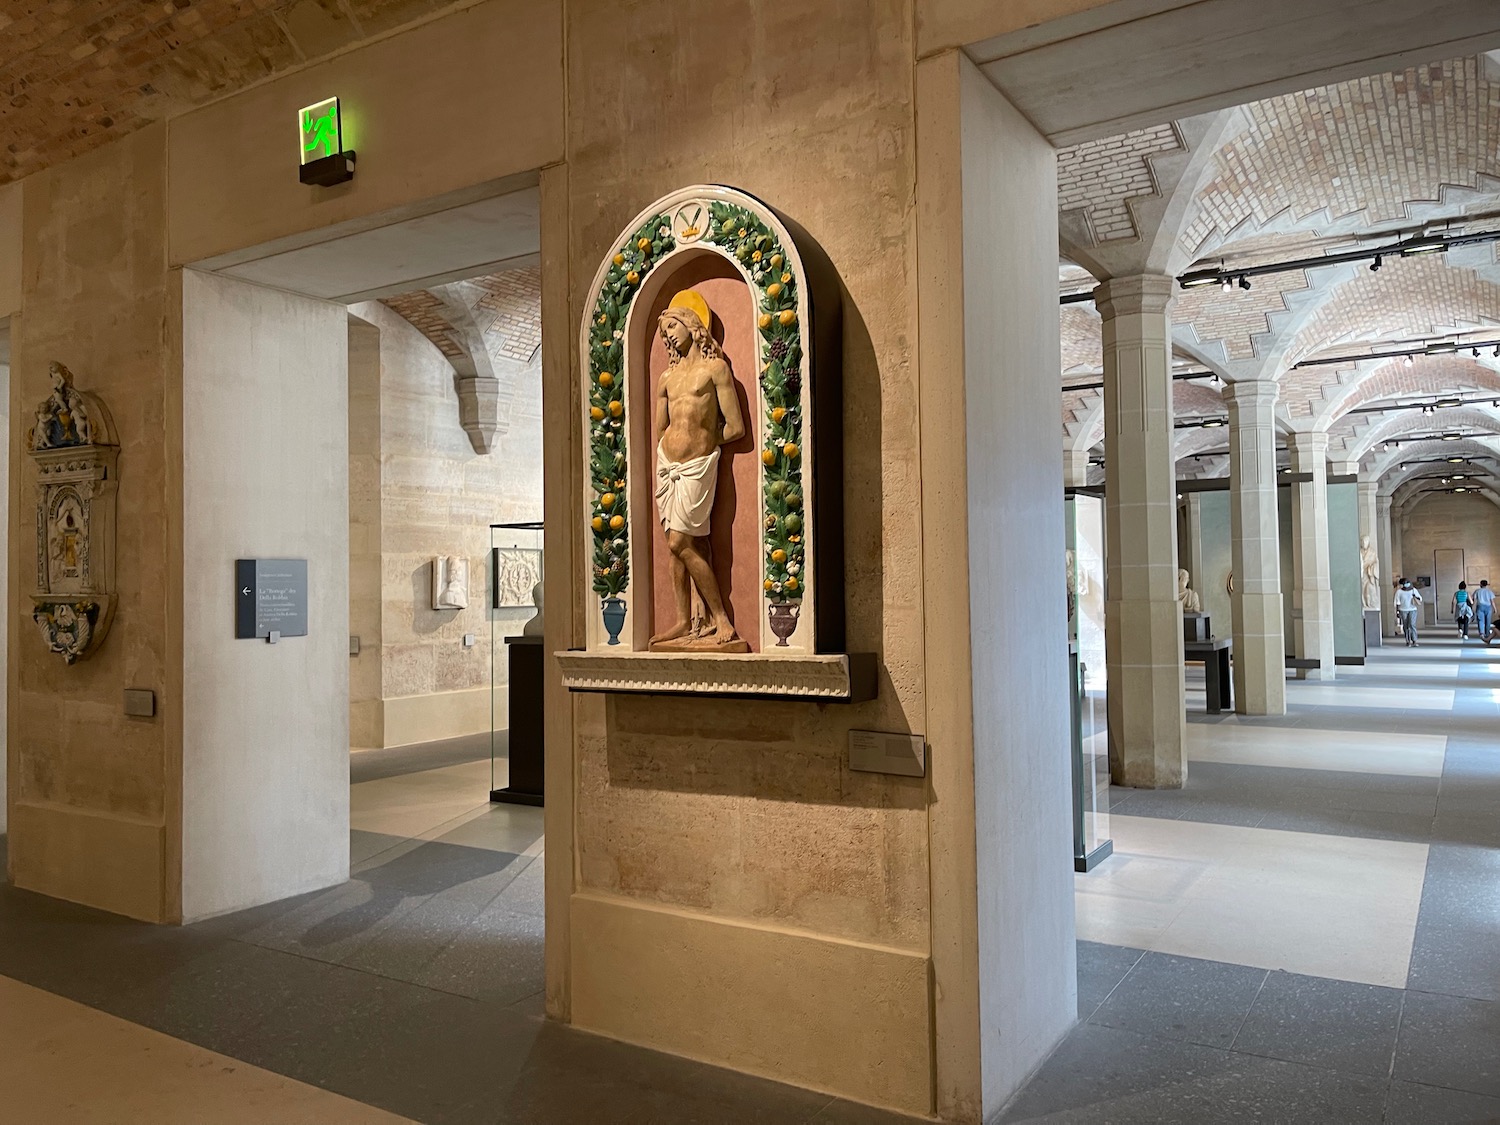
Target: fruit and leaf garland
757, 249
608, 516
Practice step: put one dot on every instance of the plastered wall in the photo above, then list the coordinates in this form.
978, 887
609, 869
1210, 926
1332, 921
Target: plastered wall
265, 778
420, 491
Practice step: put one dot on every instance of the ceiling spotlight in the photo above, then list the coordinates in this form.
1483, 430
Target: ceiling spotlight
1199, 280
1375, 265
1452, 437
1460, 488
1496, 352
1244, 282
1447, 480
1459, 476
1450, 403
1406, 361
1284, 469
1213, 423
1227, 286
1476, 353
1428, 408
1453, 460
1441, 348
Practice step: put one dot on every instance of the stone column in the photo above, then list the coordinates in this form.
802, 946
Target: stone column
1075, 468
1190, 550
1255, 550
1312, 588
1387, 564
1143, 620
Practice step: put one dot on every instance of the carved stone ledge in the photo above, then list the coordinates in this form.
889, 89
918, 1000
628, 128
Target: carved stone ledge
825, 678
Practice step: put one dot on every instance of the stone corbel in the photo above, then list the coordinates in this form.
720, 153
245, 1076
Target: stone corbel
474, 377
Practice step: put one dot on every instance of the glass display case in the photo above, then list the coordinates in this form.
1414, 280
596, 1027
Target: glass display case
1090, 749
514, 602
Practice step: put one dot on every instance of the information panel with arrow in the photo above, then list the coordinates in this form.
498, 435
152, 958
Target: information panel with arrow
270, 597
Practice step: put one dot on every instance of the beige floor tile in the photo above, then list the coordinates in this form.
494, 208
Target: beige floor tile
62, 1063
1307, 903
1245, 743
1347, 695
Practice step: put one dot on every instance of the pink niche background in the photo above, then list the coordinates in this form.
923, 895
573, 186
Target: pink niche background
735, 531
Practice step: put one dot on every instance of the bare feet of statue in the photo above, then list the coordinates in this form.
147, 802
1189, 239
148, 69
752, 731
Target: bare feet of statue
681, 629
723, 632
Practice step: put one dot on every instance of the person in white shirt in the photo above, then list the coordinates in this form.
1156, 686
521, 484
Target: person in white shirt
1484, 608
1408, 601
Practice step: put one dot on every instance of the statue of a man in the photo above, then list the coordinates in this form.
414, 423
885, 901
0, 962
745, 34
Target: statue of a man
1187, 598
696, 412
1369, 564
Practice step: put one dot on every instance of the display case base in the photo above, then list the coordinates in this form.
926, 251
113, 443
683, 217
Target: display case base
1094, 858
510, 796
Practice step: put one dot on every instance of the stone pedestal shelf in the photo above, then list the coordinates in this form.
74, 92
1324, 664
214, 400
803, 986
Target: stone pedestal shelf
823, 678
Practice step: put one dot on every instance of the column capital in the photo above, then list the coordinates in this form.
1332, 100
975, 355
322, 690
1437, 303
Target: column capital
1308, 441
1257, 391
1133, 294
1344, 468
1383, 505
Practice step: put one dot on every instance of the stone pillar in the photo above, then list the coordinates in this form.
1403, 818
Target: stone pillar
1255, 550
1387, 564
1075, 468
1312, 588
1143, 621
1190, 550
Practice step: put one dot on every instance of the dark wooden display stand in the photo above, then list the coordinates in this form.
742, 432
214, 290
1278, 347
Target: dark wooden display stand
527, 746
1215, 657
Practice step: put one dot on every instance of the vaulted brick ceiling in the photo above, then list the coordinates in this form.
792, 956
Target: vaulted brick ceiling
76, 74
1299, 176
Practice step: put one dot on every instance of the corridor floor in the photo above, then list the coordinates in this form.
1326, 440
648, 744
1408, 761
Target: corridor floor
413, 992
1310, 930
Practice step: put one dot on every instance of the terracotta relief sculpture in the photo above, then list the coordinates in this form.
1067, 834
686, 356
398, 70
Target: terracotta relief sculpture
696, 412
73, 445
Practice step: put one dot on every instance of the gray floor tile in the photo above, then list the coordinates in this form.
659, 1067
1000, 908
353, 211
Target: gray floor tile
1450, 1041
1349, 1027
1456, 949
1411, 1104
839, 1112
1100, 969
498, 957
1108, 1076
1182, 998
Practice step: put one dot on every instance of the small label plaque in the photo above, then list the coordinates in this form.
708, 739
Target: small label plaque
270, 598
880, 752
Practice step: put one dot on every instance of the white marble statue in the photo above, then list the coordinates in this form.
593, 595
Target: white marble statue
534, 627
1369, 564
1186, 597
450, 582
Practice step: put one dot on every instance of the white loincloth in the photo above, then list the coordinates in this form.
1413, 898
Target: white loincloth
685, 492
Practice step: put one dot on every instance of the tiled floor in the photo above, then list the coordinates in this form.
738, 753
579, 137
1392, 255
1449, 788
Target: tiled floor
415, 988
1309, 931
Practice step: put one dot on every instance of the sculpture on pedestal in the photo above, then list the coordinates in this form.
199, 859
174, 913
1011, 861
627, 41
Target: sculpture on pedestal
72, 442
1369, 564
1187, 598
696, 412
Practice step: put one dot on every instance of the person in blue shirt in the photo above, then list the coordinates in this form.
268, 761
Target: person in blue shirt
1484, 609
1462, 609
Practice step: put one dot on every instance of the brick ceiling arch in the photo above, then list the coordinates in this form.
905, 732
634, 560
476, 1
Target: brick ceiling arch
1366, 149
1394, 380
1082, 340
1395, 427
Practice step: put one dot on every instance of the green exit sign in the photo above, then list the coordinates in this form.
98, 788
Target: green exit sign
320, 140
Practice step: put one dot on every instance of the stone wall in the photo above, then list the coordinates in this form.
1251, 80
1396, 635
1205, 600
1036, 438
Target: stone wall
420, 491
90, 802
1442, 520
